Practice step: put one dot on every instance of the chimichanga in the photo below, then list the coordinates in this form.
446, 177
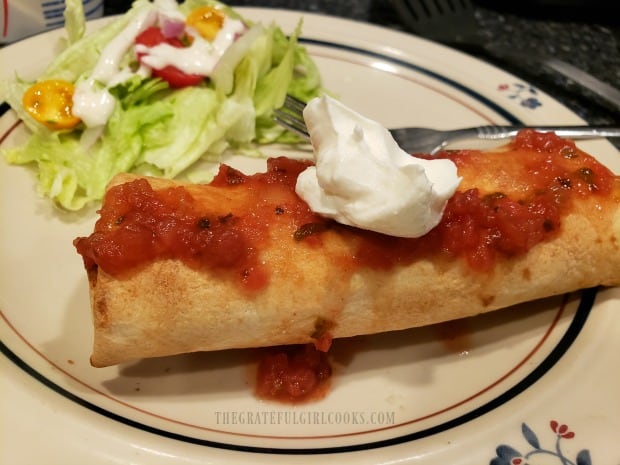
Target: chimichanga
243, 262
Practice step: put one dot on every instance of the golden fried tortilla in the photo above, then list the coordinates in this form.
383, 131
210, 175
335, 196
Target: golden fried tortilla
321, 285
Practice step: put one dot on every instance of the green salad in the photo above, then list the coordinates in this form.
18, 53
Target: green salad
152, 92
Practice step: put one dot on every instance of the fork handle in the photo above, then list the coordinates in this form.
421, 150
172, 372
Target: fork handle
571, 132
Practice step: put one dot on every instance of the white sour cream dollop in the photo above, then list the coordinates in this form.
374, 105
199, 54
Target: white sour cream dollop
362, 178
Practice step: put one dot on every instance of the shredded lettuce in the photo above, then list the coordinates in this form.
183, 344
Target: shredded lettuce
154, 129
75, 20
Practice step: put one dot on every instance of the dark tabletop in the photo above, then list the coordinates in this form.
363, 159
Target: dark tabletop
585, 34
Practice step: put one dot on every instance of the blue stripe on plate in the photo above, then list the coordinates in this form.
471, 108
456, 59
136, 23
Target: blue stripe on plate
512, 119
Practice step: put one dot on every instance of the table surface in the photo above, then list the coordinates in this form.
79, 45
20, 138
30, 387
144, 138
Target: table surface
586, 35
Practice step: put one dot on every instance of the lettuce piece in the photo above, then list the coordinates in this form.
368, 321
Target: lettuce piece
189, 132
75, 20
137, 91
80, 57
60, 174
11, 92
271, 88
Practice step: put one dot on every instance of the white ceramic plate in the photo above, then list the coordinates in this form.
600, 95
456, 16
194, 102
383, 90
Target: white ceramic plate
476, 391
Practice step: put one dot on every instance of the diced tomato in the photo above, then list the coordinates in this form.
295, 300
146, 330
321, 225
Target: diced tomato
175, 77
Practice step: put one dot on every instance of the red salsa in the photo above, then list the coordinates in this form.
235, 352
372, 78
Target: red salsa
293, 374
224, 225
221, 226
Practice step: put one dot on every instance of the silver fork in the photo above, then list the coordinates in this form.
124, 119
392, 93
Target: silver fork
426, 140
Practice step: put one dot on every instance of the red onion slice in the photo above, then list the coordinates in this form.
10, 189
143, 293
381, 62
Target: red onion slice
172, 28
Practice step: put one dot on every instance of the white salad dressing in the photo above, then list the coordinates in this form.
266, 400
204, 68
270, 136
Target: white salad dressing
363, 178
93, 103
200, 57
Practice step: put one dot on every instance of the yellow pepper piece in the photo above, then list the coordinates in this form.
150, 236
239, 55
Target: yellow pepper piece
50, 102
207, 20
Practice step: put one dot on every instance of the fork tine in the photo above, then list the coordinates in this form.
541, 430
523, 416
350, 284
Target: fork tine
294, 103
290, 116
291, 124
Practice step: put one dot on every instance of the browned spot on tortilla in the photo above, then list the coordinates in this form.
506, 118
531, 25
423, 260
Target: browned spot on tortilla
487, 300
100, 308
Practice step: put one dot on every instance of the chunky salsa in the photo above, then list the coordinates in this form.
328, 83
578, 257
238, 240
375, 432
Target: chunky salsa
139, 224
541, 175
293, 374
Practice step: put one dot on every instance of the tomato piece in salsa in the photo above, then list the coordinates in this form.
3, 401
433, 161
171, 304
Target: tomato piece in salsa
292, 374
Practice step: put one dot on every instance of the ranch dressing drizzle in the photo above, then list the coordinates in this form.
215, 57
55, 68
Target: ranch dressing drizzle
92, 102
200, 57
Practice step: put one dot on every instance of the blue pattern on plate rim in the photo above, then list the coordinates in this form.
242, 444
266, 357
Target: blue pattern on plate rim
524, 93
508, 455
